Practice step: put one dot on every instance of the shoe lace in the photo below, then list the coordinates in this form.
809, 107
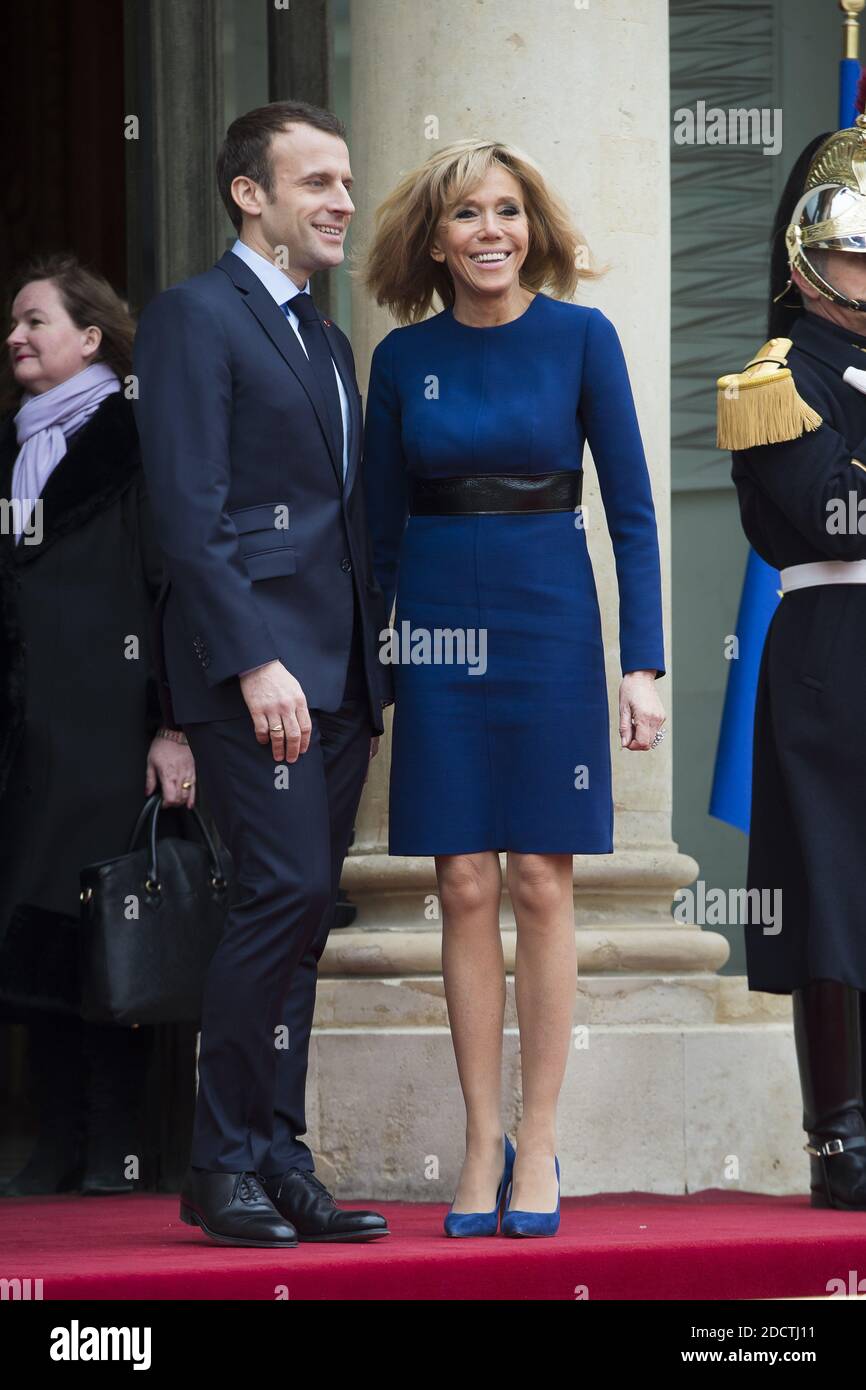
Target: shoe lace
311, 1178
250, 1189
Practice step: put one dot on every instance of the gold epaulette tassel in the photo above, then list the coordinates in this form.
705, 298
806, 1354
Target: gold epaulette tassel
761, 405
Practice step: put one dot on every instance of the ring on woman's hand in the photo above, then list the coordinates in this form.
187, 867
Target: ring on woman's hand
659, 735
186, 785
274, 727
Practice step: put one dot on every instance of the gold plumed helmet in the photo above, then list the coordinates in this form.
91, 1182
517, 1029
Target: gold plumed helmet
831, 214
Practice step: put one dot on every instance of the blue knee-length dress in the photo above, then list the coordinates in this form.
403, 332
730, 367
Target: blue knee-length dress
508, 748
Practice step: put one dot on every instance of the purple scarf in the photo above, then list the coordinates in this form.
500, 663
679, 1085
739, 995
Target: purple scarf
42, 425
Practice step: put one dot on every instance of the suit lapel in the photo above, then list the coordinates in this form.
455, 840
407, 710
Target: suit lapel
275, 324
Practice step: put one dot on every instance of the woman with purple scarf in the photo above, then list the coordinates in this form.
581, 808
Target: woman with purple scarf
83, 736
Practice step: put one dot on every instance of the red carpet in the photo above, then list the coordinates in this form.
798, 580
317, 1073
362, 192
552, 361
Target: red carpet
712, 1245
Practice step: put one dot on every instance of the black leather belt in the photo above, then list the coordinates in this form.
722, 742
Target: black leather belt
496, 492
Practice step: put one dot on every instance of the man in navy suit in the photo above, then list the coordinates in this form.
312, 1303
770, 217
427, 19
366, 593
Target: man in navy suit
250, 422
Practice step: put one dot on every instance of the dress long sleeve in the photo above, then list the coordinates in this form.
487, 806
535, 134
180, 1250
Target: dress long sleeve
609, 418
386, 489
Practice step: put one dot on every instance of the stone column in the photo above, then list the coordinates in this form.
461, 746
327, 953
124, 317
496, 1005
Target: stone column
583, 88
584, 91
173, 73
300, 68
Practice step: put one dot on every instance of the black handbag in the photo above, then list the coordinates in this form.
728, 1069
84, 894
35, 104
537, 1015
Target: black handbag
151, 920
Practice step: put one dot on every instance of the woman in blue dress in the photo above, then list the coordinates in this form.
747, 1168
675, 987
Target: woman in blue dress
475, 428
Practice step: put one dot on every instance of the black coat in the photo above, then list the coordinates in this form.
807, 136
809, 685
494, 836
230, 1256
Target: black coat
78, 705
809, 770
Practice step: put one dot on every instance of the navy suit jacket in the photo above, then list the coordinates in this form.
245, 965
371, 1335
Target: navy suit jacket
263, 541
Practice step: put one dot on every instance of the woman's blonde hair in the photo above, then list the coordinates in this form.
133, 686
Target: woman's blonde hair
399, 269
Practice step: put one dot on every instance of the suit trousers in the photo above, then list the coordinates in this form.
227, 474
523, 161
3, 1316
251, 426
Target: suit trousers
287, 827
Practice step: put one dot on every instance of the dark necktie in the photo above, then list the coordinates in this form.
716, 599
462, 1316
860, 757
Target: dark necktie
316, 343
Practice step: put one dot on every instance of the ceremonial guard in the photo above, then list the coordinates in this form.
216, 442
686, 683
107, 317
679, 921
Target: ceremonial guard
795, 420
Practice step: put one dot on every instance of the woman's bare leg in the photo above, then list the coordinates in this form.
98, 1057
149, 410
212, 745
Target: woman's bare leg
473, 968
545, 978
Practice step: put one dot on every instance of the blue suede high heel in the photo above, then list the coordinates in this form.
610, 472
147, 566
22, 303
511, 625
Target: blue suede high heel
483, 1223
531, 1223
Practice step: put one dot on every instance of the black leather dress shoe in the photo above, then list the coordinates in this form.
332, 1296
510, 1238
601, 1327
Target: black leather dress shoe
309, 1206
232, 1209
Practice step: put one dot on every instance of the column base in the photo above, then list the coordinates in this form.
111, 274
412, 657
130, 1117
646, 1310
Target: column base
675, 1083
622, 911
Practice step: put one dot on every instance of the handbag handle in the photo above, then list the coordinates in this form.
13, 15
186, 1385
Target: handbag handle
152, 807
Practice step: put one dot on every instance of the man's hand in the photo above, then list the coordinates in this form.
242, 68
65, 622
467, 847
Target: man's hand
278, 709
170, 764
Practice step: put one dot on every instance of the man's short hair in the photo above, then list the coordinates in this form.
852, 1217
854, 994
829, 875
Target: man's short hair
246, 150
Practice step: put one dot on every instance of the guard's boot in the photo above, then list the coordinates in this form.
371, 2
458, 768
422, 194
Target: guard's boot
827, 1036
